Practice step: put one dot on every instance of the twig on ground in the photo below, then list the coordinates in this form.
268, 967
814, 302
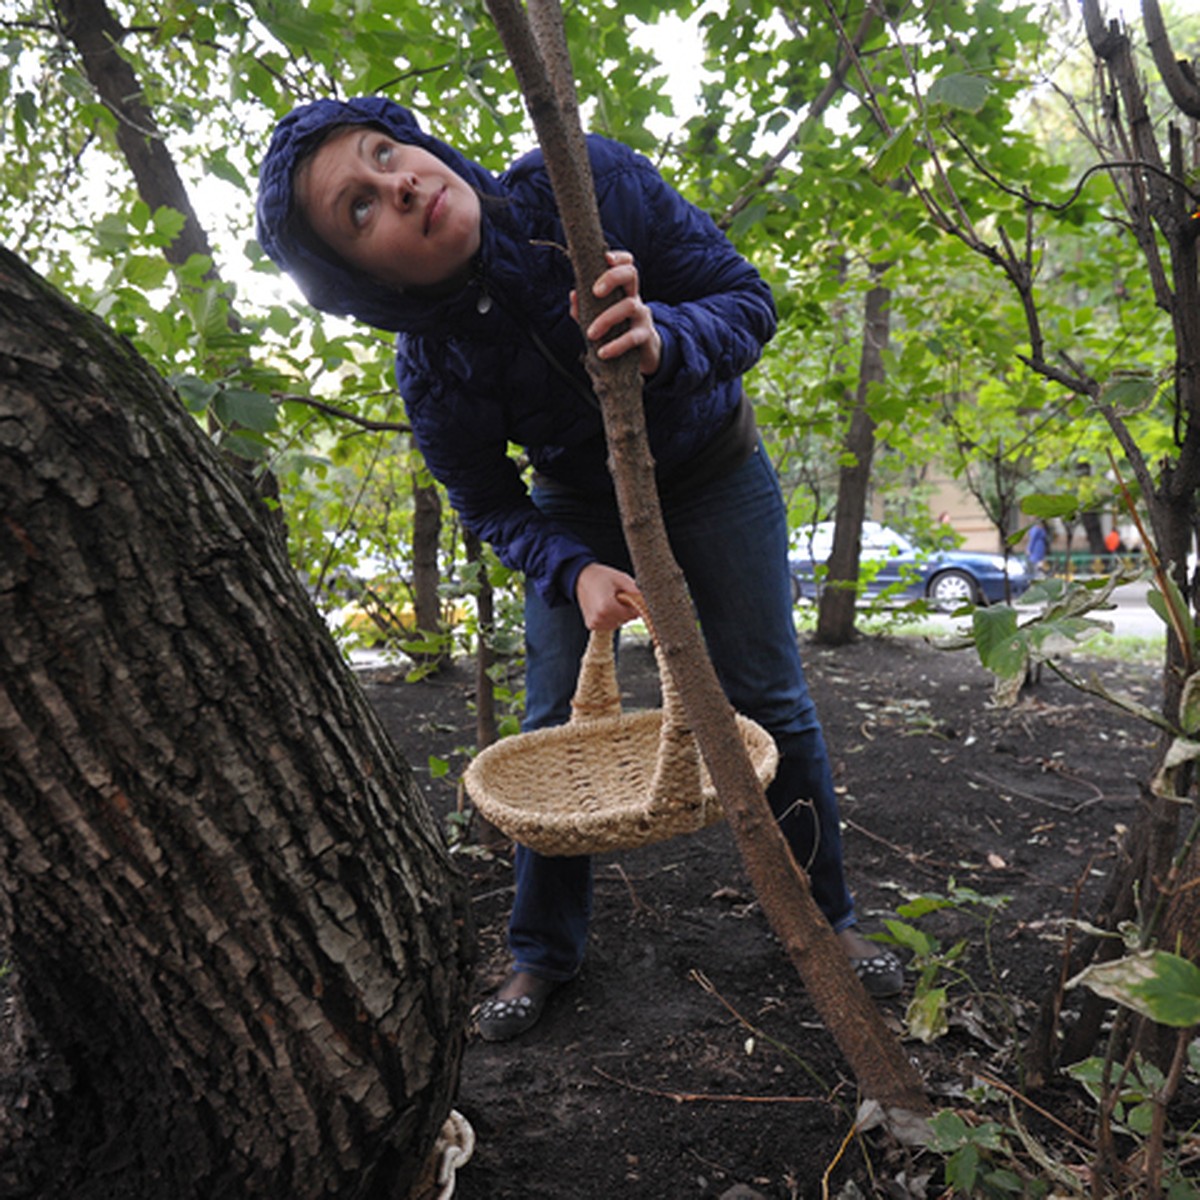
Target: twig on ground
1069, 809
507, 890
1049, 1116
635, 899
851, 1133
922, 861
698, 977
709, 1097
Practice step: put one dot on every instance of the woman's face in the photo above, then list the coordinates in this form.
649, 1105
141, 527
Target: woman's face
392, 210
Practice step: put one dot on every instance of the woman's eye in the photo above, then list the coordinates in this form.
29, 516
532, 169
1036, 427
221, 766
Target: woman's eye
383, 153
358, 212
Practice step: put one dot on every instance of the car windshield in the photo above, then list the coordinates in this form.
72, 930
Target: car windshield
878, 542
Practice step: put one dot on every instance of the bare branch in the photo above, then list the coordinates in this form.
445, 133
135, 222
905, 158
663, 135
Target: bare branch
1176, 74
342, 414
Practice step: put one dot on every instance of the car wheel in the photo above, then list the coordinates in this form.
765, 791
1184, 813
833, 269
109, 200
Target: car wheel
951, 590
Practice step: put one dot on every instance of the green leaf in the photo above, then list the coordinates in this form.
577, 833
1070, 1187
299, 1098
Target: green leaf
197, 394
1001, 647
1173, 603
247, 410
949, 1131
921, 906
245, 444
968, 92
219, 164
438, 767
926, 1017
962, 1169
911, 938
1140, 1118
167, 224
895, 155
1189, 705
112, 233
146, 271
1005, 1181
1164, 987
1047, 506
1089, 1073
1128, 392
27, 108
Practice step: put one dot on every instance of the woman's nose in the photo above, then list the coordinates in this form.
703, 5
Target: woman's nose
404, 189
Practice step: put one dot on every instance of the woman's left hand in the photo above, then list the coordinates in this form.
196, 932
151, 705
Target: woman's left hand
641, 334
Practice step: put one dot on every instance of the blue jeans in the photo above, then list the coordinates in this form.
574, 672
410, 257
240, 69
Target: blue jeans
730, 539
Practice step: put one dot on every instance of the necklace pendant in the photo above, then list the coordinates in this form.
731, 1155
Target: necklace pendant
484, 304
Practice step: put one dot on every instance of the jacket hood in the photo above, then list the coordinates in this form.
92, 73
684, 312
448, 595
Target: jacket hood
327, 285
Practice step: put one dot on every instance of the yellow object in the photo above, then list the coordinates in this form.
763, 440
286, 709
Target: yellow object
606, 780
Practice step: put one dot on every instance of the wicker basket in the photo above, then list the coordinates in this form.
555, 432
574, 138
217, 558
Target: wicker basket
606, 780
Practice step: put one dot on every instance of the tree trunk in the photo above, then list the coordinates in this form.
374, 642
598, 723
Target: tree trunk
835, 619
537, 47
97, 36
239, 940
426, 577
486, 729
427, 532
1160, 218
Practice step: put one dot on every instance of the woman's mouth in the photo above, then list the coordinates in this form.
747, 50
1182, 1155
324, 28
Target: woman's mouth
433, 210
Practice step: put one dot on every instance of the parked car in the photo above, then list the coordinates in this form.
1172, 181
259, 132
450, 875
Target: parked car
946, 578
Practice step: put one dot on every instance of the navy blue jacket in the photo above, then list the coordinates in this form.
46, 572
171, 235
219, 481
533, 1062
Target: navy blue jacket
501, 362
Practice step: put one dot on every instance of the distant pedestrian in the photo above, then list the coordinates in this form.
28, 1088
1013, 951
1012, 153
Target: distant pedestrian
1036, 550
945, 534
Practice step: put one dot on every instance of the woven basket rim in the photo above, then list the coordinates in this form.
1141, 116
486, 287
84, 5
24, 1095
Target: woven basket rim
543, 818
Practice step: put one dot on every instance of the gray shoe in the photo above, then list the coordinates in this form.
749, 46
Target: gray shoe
882, 974
502, 1019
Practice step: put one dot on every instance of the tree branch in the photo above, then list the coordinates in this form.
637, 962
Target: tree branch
815, 111
1176, 74
95, 34
342, 414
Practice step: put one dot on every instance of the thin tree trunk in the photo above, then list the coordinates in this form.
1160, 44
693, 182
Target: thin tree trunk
835, 617
483, 830
540, 58
238, 935
426, 577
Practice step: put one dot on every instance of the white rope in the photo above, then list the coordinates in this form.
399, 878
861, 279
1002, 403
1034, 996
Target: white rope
457, 1142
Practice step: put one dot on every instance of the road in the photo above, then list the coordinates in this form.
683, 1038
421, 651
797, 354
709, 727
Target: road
1133, 616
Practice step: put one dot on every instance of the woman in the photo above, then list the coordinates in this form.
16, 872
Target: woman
376, 219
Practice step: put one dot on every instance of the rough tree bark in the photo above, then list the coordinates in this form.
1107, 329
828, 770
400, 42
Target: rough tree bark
241, 949
538, 50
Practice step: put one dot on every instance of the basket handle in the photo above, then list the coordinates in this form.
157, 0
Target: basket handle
676, 783
676, 780
596, 691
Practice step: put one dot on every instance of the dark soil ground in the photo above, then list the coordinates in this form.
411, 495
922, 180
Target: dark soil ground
686, 1060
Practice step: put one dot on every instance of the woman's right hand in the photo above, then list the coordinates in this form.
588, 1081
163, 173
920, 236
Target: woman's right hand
597, 591
640, 335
